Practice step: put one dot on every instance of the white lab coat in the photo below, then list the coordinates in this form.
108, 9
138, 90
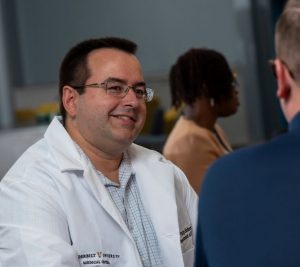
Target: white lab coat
54, 210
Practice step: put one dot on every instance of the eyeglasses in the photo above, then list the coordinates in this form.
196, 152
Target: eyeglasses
272, 64
117, 88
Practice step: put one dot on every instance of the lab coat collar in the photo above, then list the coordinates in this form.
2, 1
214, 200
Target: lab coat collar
62, 146
69, 159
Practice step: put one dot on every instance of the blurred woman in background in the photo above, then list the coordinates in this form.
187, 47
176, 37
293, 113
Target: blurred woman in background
202, 81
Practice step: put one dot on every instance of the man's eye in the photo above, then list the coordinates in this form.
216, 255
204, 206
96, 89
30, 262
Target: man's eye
115, 88
140, 91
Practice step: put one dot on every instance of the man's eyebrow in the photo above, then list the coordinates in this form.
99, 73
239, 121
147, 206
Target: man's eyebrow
114, 79
142, 83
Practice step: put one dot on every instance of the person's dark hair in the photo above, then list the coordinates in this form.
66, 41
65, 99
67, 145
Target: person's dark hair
200, 72
74, 69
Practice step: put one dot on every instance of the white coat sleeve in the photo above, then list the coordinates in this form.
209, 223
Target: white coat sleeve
33, 227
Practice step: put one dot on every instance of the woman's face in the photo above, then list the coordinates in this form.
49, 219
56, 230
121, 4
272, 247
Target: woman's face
228, 106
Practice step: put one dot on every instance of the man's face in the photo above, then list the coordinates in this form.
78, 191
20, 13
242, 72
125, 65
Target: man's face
103, 120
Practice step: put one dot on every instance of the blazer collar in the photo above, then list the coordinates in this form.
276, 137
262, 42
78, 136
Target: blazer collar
295, 123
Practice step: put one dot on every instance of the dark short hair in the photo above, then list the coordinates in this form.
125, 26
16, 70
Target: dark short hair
74, 69
200, 72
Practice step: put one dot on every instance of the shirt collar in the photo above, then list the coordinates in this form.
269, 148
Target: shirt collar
125, 173
125, 169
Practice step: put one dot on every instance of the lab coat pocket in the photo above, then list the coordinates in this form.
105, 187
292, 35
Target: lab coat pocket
188, 257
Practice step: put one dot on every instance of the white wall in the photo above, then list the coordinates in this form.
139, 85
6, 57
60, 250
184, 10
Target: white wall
14, 142
162, 29
6, 118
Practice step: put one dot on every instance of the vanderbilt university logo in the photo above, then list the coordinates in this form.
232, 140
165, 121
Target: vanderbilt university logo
98, 257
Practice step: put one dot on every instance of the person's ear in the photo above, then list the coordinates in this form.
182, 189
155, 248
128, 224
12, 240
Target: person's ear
69, 99
283, 85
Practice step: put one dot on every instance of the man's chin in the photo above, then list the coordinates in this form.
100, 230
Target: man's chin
126, 140
125, 137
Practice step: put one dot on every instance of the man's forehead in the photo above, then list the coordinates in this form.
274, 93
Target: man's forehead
108, 53
105, 57
111, 61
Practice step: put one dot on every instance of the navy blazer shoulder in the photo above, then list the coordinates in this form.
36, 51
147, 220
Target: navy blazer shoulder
249, 210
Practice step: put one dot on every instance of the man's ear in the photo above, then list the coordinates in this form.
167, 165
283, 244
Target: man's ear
283, 81
69, 100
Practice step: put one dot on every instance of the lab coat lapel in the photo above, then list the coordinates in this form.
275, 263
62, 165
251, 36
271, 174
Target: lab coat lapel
69, 159
155, 179
158, 196
102, 195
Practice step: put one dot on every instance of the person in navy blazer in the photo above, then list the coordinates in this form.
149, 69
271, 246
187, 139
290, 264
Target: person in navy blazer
249, 210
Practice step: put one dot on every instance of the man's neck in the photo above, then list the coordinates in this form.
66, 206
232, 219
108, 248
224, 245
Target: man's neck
108, 166
105, 159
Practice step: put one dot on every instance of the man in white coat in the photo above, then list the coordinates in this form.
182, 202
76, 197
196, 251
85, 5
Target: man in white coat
85, 195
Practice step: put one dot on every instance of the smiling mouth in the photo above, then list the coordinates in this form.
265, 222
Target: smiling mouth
125, 117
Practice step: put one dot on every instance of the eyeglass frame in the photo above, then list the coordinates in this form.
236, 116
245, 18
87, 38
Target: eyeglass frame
272, 64
148, 96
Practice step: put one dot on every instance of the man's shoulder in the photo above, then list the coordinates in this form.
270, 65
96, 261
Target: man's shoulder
250, 161
35, 158
146, 155
136, 150
263, 151
152, 159
241, 159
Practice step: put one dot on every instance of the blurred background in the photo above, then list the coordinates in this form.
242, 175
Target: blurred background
35, 35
